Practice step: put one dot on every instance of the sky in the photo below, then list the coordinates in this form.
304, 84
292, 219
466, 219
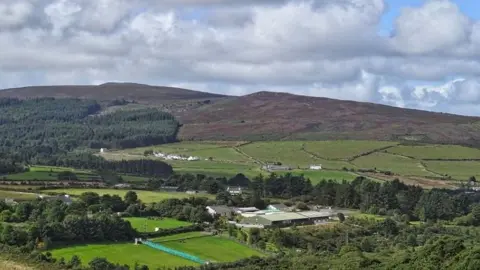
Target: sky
422, 54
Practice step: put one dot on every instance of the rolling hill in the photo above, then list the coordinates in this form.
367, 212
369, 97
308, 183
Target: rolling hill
141, 93
277, 116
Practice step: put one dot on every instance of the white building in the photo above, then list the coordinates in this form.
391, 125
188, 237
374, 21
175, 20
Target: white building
103, 150
192, 158
234, 190
315, 167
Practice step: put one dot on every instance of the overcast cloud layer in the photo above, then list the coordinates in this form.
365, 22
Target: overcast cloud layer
325, 48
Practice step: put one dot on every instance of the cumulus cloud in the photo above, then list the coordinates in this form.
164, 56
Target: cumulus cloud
327, 48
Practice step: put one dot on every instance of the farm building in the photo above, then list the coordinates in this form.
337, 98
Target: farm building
284, 219
272, 168
221, 210
234, 190
315, 167
278, 207
241, 210
123, 185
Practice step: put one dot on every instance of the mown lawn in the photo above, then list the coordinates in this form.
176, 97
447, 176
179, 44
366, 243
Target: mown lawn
140, 224
344, 149
144, 196
437, 152
126, 253
177, 236
213, 248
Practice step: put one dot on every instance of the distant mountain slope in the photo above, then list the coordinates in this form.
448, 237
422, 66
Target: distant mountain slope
141, 93
276, 116
273, 116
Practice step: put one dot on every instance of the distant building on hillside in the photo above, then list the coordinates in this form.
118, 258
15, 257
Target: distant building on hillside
272, 167
315, 167
123, 185
191, 192
234, 190
103, 150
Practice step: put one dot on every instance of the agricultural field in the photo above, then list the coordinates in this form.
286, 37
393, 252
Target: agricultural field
436, 152
212, 248
126, 253
143, 195
18, 196
317, 176
396, 164
344, 149
140, 224
47, 173
176, 237
458, 170
230, 158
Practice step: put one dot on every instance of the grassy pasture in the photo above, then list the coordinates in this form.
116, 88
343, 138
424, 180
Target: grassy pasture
213, 248
344, 149
288, 153
436, 152
396, 164
143, 195
49, 173
126, 253
20, 196
165, 223
317, 176
458, 170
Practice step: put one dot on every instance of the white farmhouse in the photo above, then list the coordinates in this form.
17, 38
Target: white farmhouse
315, 167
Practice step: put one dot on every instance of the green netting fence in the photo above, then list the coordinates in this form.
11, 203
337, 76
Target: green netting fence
173, 252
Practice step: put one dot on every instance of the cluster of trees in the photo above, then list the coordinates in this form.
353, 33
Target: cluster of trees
42, 127
144, 167
371, 197
7, 167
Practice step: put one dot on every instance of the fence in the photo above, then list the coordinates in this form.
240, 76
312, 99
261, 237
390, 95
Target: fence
174, 252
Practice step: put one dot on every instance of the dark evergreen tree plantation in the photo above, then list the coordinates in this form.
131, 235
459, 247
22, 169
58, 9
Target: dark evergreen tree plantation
43, 127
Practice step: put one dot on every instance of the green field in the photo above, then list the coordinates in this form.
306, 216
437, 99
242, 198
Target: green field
177, 236
20, 196
144, 196
230, 158
48, 173
437, 152
394, 163
126, 253
140, 224
458, 170
317, 176
344, 149
213, 248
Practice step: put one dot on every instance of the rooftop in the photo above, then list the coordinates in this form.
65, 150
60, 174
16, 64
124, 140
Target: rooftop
284, 216
315, 214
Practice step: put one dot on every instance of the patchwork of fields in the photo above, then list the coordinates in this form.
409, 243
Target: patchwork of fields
341, 160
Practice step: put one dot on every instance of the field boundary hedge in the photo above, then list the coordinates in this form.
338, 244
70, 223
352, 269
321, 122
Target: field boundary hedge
166, 232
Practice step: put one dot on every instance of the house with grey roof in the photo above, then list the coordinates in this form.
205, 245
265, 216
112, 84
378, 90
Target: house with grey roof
221, 210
